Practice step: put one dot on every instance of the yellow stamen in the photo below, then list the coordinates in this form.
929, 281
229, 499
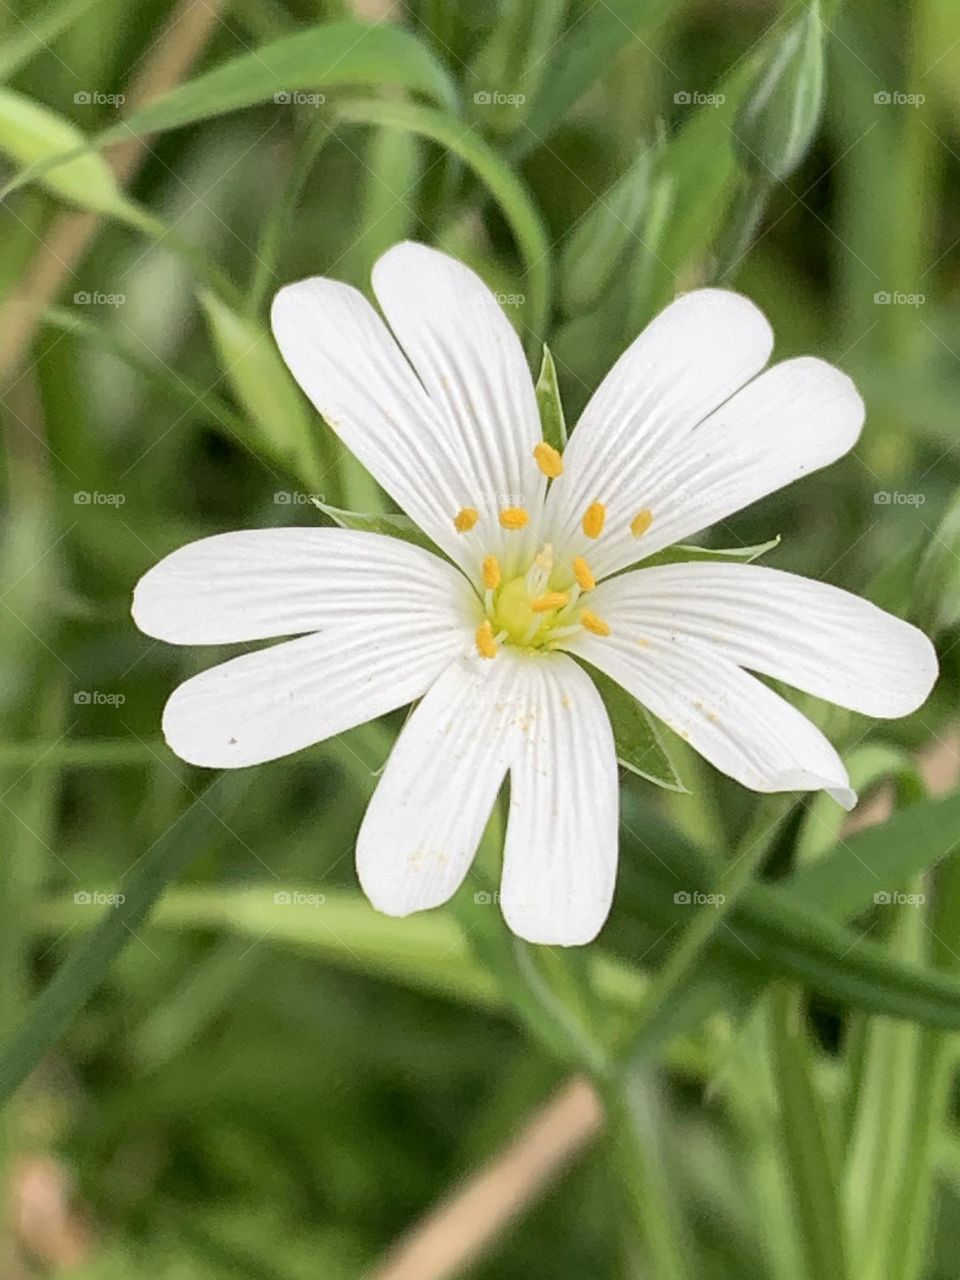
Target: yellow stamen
597, 625
548, 460
583, 574
593, 519
552, 600
486, 645
641, 522
491, 573
465, 519
514, 517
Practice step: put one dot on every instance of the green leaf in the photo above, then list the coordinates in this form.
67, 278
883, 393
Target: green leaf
553, 424
518, 208
880, 1140
79, 976
34, 136
638, 746
40, 34
394, 525
807, 1155
936, 596
582, 55
558, 1024
682, 554
790, 929
325, 56
782, 111
598, 243
509, 69
252, 367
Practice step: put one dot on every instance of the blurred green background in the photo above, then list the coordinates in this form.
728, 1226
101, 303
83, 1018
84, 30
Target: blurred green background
277, 1087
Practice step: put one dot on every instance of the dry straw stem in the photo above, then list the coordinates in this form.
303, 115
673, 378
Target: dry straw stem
70, 234
474, 1214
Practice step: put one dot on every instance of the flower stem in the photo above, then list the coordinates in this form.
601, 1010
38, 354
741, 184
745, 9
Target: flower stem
650, 1216
655, 1020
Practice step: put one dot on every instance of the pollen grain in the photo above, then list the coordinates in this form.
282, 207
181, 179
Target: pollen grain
514, 517
549, 460
486, 645
594, 519
592, 623
583, 574
641, 522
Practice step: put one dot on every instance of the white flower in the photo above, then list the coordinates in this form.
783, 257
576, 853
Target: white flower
683, 432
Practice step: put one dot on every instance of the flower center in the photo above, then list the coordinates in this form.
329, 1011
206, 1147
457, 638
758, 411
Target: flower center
537, 609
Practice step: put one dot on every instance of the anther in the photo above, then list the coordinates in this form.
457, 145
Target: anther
514, 517
465, 519
593, 519
552, 600
641, 522
583, 574
491, 573
486, 644
592, 623
548, 460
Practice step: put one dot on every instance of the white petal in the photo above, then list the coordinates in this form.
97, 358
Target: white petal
813, 636
685, 364
743, 728
348, 364
471, 362
259, 583
427, 815
560, 856
267, 704
795, 418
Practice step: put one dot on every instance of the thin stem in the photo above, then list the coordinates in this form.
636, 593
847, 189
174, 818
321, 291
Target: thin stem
654, 1024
